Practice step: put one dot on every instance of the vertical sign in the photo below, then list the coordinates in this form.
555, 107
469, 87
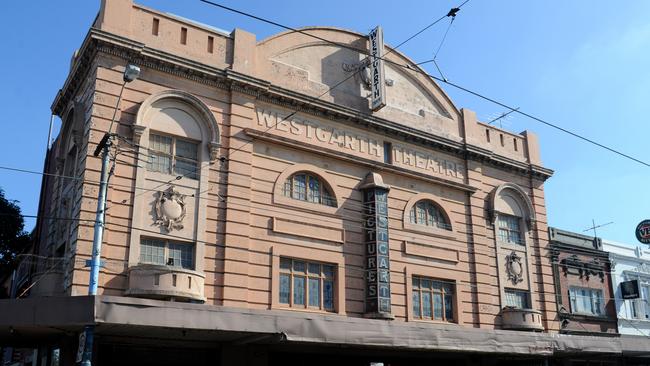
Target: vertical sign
378, 84
375, 201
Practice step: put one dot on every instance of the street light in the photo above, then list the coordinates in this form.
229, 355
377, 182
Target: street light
131, 72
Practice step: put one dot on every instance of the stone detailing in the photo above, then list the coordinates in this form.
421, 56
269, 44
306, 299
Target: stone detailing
170, 209
314, 132
573, 265
514, 268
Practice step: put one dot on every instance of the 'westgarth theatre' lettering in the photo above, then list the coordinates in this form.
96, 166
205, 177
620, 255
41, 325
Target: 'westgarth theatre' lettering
314, 131
402, 156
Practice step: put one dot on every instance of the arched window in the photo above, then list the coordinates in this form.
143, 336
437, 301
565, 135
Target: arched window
512, 210
308, 187
426, 212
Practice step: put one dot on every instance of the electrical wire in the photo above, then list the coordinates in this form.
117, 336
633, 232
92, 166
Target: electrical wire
454, 85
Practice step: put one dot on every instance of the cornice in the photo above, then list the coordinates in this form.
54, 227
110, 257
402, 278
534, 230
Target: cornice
99, 41
372, 164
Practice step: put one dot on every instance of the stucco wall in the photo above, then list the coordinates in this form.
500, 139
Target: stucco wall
248, 225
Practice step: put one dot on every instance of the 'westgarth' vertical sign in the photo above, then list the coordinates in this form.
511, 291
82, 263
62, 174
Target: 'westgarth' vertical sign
377, 77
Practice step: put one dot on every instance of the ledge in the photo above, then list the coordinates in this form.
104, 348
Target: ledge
521, 319
374, 165
318, 232
154, 318
165, 282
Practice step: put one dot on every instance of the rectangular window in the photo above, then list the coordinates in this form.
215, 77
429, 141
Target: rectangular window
210, 44
155, 26
165, 252
517, 299
388, 153
306, 284
640, 307
433, 299
586, 301
171, 155
183, 35
509, 229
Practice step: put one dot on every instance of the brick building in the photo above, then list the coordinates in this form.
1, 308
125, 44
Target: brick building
260, 211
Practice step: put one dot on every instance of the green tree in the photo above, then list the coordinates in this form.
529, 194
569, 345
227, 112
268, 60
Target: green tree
13, 238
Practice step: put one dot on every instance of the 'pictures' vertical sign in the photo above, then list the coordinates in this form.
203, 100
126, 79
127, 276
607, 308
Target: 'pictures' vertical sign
377, 76
375, 201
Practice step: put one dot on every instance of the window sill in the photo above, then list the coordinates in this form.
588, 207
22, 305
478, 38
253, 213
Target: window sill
432, 231
171, 179
588, 316
433, 321
305, 205
509, 245
305, 310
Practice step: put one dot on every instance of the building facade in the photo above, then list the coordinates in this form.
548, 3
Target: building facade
584, 286
260, 212
631, 263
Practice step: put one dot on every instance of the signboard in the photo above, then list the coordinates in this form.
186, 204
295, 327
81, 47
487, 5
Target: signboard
375, 224
630, 289
643, 232
377, 76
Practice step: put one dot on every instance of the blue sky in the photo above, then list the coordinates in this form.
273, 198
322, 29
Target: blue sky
581, 64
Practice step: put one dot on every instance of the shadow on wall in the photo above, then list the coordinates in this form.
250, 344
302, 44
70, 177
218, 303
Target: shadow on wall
350, 92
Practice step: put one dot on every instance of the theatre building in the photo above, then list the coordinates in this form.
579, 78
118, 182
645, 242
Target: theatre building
284, 201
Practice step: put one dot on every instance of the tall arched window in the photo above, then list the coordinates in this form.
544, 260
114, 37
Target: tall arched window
308, 187
427, 213
511, 209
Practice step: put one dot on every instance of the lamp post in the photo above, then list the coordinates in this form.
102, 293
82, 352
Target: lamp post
131, 72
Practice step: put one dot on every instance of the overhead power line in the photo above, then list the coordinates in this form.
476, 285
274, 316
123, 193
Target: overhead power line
314, 99
443, 80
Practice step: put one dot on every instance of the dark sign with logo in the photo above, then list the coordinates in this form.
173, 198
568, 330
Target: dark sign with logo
375, 226
630, 289
643, 231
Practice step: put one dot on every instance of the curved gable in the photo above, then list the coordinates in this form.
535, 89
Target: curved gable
311, 66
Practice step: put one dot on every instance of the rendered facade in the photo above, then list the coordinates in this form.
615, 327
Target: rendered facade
584, 285
259, 211
631, 263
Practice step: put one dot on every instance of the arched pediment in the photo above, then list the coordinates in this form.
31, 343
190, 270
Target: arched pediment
511, 199
296, 61
179, 113
204, 114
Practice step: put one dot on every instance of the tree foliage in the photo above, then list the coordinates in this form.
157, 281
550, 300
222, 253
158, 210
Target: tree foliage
13, 238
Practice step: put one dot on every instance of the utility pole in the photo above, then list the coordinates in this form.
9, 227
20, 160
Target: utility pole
131, 72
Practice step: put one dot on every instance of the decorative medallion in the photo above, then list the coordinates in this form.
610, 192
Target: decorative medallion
170, 209
514, 268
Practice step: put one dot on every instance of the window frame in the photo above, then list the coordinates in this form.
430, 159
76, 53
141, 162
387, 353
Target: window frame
442, 223
573, 299
640, 308
526, 293
326, 195
174, 156
322, 277
431, 291
507, 239
167, 252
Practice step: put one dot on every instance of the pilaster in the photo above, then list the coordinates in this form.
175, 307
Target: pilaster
238, 199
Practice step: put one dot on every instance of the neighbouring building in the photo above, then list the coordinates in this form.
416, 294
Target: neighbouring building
585, 298
631, 263
260, 212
